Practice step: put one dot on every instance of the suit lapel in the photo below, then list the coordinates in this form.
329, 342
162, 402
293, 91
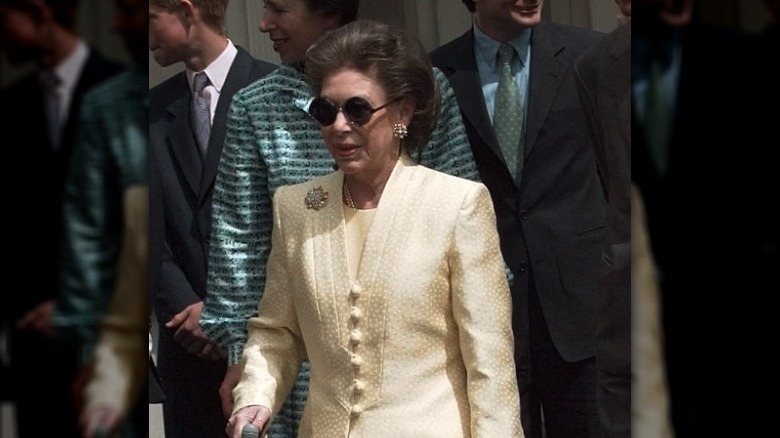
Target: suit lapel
545, 79
182, 143
467, 85
237, 78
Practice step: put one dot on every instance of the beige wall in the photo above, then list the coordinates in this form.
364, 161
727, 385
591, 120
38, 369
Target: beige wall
434, 22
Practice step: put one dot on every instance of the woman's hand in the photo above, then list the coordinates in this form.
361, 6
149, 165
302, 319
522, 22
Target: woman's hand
255, 414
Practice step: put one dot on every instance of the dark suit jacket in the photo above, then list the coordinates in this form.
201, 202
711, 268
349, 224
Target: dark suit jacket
552, 223
37, 195
603, 75
697, 235
183, 184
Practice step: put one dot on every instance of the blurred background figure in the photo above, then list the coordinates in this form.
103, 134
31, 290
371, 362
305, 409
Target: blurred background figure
42, 108
696, 151
761, 141
115, 396
603, 74
109, 157
649, 391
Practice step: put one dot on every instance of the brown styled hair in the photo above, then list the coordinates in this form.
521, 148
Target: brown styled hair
396, 59
346, 9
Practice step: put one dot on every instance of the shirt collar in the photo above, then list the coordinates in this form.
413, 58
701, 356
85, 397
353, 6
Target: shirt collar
218, 70
69, 70
487, 47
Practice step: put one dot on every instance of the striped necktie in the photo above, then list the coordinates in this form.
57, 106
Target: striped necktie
658, 117
201, 111
52, 103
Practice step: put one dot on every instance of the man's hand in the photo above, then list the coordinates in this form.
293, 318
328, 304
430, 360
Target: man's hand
188, 332
39, 319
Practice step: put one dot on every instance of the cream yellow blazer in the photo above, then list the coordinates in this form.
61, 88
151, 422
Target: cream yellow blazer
420, 345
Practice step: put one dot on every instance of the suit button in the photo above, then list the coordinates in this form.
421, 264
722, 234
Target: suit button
356, 410
524, 215
523, 268
208, 240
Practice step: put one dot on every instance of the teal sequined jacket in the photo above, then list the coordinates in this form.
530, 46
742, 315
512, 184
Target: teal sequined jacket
110, 155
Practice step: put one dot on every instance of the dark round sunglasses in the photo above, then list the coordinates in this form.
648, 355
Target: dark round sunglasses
356, 109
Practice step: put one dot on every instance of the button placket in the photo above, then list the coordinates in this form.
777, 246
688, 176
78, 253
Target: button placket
355, 338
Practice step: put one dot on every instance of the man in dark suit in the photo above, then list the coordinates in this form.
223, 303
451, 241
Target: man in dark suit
185, 151
42, 32
686, 178
603, 74
551, 213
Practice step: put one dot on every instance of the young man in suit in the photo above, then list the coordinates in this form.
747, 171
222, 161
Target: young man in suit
42, 32
185, 150
549, 202
603, 75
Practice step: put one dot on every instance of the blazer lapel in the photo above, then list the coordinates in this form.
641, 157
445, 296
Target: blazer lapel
373, 270
467, 85
374, 256
545, 78
326, 229
237, 78
182, 143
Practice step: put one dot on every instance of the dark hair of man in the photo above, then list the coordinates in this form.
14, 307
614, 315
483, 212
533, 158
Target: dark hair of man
346, 9
64, 11
398, 61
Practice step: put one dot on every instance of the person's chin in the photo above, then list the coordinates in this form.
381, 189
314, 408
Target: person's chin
348, 166
528, 20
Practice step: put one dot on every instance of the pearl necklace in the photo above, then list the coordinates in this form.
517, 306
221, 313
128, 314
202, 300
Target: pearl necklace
348, 196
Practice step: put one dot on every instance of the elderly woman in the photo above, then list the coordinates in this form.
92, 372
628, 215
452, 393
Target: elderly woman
386, 275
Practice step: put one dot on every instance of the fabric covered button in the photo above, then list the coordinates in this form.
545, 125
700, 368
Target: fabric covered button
359, 386
355, 337
356, 361
355, 314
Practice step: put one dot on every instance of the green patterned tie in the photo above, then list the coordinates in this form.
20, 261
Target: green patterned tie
658, 118
508, 114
